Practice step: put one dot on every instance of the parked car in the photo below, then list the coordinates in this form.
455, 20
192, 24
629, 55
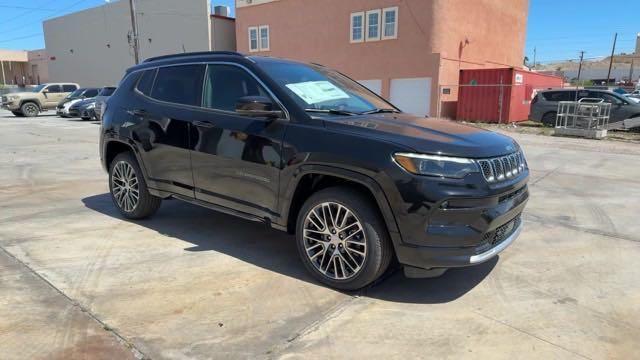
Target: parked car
101, 100
41, 98
544, 107
309, 151
65, 104
88, 110
83, 109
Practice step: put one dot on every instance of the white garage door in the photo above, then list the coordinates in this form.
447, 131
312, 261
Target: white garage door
373, 85
412, 95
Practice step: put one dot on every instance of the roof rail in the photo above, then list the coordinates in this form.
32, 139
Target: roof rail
172, 56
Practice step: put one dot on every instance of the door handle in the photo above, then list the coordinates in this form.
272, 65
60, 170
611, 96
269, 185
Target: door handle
204, 124
137, 112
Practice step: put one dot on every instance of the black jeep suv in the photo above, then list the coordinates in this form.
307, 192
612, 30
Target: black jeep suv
309, 151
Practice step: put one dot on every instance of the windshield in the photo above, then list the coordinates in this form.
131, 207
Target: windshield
38, 88
316, 88
75, 94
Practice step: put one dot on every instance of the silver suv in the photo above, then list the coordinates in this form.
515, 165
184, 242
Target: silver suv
40, 98
544, 107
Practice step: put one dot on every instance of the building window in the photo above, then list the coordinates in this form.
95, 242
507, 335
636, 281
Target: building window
373, 25
253, 39
390, 23
357, 27
264, 38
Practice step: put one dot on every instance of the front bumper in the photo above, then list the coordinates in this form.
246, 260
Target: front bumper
73, 112
9, 105
465, 225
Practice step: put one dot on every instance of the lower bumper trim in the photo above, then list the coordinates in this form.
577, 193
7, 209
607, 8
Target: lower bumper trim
476, 259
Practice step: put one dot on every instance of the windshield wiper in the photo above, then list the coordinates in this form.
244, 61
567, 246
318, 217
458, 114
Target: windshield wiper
378, 111
332, 111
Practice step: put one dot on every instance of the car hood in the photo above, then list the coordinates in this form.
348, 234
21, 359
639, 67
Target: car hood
427, 135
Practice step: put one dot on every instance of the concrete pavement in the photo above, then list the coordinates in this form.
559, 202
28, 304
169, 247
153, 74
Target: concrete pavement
77, 281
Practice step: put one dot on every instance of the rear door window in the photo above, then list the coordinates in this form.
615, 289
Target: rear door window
146, 82
180, 84
559, 96
69, 88
54, 88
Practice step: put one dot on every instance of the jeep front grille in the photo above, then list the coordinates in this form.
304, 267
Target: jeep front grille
502, 168
5, 99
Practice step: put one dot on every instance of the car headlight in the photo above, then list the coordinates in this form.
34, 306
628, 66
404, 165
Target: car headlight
90, 106
12, 98
436, 165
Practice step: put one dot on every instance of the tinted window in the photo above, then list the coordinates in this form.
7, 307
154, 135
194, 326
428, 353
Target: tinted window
91, 93
225, 84
69, 88
54, 88
180, 84
146, 82
107, 91
559, 96
609, 98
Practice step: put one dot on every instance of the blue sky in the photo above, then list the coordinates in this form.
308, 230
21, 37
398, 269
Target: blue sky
559, 29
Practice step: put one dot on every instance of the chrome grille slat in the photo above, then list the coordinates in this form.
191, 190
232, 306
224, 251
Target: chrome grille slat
503, 167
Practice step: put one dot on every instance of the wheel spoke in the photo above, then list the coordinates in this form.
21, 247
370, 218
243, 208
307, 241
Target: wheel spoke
324, 225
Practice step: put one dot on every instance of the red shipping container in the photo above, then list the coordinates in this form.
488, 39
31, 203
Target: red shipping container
500, 95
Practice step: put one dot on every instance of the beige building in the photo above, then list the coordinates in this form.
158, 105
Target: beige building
408, 51
22, 67
92, 47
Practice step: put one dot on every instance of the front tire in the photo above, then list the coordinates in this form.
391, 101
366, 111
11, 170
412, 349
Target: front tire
342, 239
128, 189
17, 113
30, 109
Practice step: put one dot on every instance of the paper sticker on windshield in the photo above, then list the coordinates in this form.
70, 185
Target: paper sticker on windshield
313, 92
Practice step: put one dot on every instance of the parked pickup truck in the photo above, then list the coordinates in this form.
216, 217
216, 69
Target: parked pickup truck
41, 98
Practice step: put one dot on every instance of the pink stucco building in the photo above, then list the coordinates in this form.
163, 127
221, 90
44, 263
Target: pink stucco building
406, 50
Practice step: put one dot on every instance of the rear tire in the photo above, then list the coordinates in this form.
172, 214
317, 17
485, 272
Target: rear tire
30, 109
549, 119
350, 247
129, 190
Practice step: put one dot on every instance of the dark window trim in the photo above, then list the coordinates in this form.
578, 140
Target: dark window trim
195, 107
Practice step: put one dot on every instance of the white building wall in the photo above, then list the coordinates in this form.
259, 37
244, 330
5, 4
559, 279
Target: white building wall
90, 47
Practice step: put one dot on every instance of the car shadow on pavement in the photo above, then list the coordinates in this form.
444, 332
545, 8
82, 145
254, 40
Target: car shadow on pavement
276, 251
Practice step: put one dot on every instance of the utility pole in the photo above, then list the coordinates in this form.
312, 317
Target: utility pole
134, 31
580, 67
613, 50
534, 56
631, 69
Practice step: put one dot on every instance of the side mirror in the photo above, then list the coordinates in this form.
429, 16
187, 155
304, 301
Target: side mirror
257, 106
45, 91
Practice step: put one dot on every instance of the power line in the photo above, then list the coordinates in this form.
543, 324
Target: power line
46, 17
25, 8
21, 37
